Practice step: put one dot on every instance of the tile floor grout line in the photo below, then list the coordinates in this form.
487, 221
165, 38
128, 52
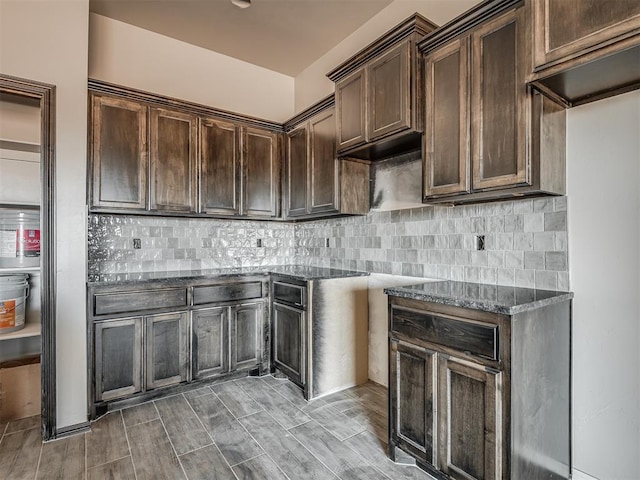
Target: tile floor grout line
126, 436
86, 470
39, 460
208, 433
313, 454
164, 427
110, 461
227, 406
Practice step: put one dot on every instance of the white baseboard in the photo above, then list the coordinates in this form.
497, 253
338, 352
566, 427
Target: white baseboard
578, 475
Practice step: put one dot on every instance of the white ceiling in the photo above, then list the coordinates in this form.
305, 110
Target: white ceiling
285, 36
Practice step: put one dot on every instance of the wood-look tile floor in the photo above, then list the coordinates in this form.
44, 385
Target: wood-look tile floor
251, 428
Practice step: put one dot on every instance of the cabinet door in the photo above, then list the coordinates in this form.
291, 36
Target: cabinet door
261, 168
172, 173
220, 167
323, 168
389, 93
351, 110
446, 136
296, 177
246, 335
469, 419
166, 346
289, 332
411, 400
209, 342
118, 358
119, 153
565, 28
499, 103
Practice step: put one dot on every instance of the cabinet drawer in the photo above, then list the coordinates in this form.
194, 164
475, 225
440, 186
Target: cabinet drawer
290, 294
122, 302
226, 292
479, 339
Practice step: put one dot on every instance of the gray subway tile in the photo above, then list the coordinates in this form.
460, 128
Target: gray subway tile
555, 261
534, 260
555, 221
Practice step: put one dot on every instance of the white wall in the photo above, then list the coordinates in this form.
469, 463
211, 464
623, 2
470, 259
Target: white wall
46, 40
131, 56
312, 84
604, 261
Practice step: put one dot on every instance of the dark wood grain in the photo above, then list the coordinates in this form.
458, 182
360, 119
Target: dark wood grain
235, 399
139, 414
151, 451
261, 173
389, 83
288, 341
210, 340
351, 111
475, 338
323, 166
294, 295
182, 425
118, 358
119, 469
172, 171
205, 464
220, 167
289, 454
226, 292
355, 187
166, 347
19, 454
119, 153
245, 329
128, 301
235, 444
64, 458
106, 441
447, 155
296, 180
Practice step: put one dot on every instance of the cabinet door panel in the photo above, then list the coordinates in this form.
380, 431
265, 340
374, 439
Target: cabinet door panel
118, 358
296, 176
246, 335
220, 168
469, 411
173, 137
210, 341
288, 341
323, 181
261, 173
389, 91
446, 167
119, 153
565, 27
412, 418
166, 349
351, 110
499, 98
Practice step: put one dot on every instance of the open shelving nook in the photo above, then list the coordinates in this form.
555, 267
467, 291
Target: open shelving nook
44, 96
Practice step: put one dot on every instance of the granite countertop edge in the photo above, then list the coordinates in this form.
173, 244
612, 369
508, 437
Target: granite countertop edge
292, 271
490, 306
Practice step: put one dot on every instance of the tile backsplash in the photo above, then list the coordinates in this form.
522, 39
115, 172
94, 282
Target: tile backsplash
525, 243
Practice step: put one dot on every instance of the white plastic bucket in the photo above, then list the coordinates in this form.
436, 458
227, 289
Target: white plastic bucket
14, 290
19, 238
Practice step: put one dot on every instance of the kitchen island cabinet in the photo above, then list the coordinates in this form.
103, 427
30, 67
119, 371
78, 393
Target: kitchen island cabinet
479, 382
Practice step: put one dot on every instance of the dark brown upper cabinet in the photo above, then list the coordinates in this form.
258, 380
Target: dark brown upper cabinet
488, 135
586, 50
316, 183
161, 156
119, 153
172, 174
378, 94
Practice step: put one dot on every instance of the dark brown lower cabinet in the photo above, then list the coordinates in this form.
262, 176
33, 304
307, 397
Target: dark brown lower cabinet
209, 340
118, 358
476, 395
166, 347
246, 335
289, 341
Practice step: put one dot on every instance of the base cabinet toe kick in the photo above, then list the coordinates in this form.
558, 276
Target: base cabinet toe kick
481, 395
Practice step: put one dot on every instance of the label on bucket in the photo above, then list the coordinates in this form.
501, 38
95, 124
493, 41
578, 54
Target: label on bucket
7, 313
28, 244
8, 243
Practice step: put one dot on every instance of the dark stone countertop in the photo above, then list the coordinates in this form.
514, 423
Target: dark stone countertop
478, 296
299, 272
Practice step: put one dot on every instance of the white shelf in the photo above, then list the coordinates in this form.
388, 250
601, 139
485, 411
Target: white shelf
29, 330
19, 269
